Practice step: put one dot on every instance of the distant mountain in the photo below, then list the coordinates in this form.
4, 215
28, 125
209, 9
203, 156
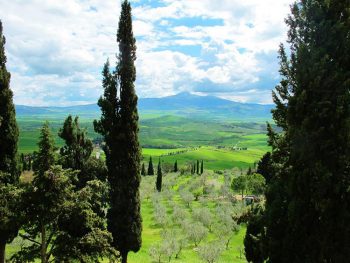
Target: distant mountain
182, 104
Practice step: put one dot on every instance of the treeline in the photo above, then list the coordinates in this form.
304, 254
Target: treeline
76, 207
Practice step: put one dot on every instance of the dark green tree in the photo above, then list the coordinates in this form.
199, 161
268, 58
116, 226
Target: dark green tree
256, 184
308, 197
175, 167
45, 157
202, 167
10, 212
239, 184
159, 177
78, 147
264, 167
150, 170
8, 152
143, 169
255, 238
60, 223
197, 167
119, 126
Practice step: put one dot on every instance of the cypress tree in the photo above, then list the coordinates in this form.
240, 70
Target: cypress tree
143, 169
119, 126
202, 167
197, 167
46, 154
308, 197
8, 150
9, 129
150, 167
175, 167
159, 177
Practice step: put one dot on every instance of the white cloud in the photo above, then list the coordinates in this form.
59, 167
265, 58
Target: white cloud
56, 49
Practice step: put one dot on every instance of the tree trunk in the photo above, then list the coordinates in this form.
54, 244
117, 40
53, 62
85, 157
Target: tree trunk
43, 244
124, 255
2, 252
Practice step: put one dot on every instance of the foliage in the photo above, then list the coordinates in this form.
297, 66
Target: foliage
159, 177
150, 170
9, 168
239, 184
60, 221
45, 157
255, 238
78, 148
307, 200
211, 251
119, 127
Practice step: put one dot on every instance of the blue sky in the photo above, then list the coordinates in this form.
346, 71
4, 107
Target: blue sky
228, 48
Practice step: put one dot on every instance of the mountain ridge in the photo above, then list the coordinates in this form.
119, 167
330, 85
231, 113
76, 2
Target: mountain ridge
182, 104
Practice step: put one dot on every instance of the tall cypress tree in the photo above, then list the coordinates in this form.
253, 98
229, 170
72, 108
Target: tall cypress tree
197, 167
202, 167
8, 149
150, 170
119, 126
308, 197
9, 129
159, 177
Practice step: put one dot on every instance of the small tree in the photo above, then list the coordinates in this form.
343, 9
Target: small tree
150, 170
210, 252
45, 158
196, 232
159, 177
143, 169
256, 183
175, 167
78, 147
239, 184
187, 197
204, 216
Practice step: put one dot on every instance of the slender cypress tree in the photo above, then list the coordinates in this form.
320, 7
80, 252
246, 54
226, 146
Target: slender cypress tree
9, 129
143, 169
175, 167
308, 197
202, 167
150, 167
119, 126
159, 177
8, 148
197, 167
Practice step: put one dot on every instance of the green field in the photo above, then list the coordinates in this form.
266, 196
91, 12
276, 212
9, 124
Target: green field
162, 136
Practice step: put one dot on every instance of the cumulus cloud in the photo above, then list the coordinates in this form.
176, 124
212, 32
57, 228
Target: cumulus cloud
56, 49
